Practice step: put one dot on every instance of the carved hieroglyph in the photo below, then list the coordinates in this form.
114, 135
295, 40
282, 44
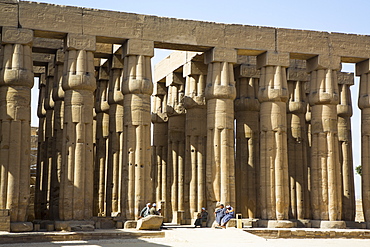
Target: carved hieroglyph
16, 81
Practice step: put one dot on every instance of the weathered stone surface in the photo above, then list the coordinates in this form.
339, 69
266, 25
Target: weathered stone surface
130, 224
151, 222
74, 225
21, 226
333, 224
281, 224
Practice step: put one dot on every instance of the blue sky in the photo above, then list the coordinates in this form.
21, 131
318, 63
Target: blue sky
320, 15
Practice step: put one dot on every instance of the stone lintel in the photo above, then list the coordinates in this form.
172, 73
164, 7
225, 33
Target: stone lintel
346, 78
323, 62
363, 67
138, 47
38, 70
271, 58
220, 54
13, 35
80, 42
117, 62
246, 70
297, 74
194, 68
174, 78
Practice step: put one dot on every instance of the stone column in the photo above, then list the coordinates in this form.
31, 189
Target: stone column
344, 109
176, 141
57, 145
76, 192
297, 141
196, 136
274, 177
326, 180
137, 88
363, 70
16, 81
247, 109
41, 186
220, 94
159, 149
115, 140
102, 132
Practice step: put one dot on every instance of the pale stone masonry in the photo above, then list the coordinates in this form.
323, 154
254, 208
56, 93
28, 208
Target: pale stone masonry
255, 117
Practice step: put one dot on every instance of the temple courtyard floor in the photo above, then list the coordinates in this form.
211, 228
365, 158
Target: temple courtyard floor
189, 236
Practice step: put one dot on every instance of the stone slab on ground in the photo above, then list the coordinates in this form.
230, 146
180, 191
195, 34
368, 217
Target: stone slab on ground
83, 225
21, 227
130, 224
151, 222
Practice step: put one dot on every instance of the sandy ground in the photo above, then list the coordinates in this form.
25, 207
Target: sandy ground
204, 237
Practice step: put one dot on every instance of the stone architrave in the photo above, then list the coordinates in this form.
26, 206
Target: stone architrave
16, 81
363, 70
195, 73
76, 190
247, 164
273, 95
137, 87
176, 141
101, 148
41, 186
57, 145
160, 143
326, 184
297, 140
344, 109
220, 93
115, 139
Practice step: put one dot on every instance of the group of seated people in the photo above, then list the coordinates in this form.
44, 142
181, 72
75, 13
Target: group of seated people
223, 215
149, 209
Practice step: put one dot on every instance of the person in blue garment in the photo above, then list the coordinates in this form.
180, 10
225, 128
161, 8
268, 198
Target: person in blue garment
220, 213
229, 214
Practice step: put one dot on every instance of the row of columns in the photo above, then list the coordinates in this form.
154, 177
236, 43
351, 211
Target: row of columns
94, 135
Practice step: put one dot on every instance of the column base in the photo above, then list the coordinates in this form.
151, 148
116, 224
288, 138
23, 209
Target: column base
339, 224
21, 226
281, 224
75, 225
303, 223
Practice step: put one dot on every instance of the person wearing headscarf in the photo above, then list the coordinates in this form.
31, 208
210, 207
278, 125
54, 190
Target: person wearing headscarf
202, 217
229, 214
153, 210
145, 211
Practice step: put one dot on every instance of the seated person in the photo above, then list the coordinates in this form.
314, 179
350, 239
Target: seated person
229, 214
202, 217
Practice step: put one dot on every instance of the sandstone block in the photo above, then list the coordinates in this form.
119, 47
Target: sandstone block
81, 42
220, 54
138, 47
333, 224
130, 224
9, 13
323, 62
74, 225
231, 224
14, 35
21, 226
270, 58
151, 222
281, 224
